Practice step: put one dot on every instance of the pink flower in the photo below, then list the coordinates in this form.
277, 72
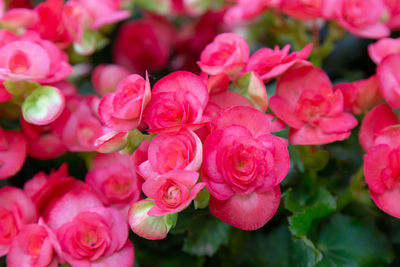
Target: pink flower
82, 127
16, 210
378, 119
20, 59
242, 167
178, 101
360, 17
105, 78
270, 63
172, 192
361, 95
228, 54
393, 7
302, 9
35, 245
389, 79
144, 44
381, 169
172, 151
111, 142
51, 25
12, 152
248, 9
44, 142
305, 100
89, 233
114, 179
383, 48
123, 110
140, 155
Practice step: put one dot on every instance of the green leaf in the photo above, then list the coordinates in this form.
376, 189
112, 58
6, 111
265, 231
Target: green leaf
322, 205
346, 241
277, 249
202, 199
307, 208
205, 233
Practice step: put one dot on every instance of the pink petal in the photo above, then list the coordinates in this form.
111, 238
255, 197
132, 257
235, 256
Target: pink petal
339, 124
283, 111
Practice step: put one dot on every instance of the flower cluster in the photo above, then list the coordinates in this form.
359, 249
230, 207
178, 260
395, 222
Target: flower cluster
186, 113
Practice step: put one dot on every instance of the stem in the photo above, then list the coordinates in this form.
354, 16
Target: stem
348, 195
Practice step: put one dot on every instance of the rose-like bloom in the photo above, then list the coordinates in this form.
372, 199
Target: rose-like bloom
383, 48
382, 170
88, 233
172, 192
123, 110
35, 245
361, 95
228, 54
242, 167
82, 127
144, 44
177, 101
302, 9
374, 122
360, 17
114, 179
389, 79
16, 19
16, 210
172, 151
106, 77
305, 100
28, 57
12, 152
248, 9
393, 7
270, 63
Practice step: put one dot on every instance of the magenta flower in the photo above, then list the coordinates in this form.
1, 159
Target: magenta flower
12, 152
243, 165
305, 100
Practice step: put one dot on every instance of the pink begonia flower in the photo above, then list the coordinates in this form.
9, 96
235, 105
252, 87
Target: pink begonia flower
44, 142
51, 25
102, 232
104, 12
16, 210
383, 48
360, 96
378, 119
228, 54
360, 17
305, 100
177, 101
172, 151
114, 179
242, 167
106, 77
123, 110
270, 63
302, 9
381, 170
248, 9
16, 19
35, 245
12, 152
83, 126
149, 227
389, 79
28, 57
144, 44
172, 192
393, 7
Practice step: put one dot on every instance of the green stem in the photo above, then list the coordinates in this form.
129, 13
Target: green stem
355, 184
